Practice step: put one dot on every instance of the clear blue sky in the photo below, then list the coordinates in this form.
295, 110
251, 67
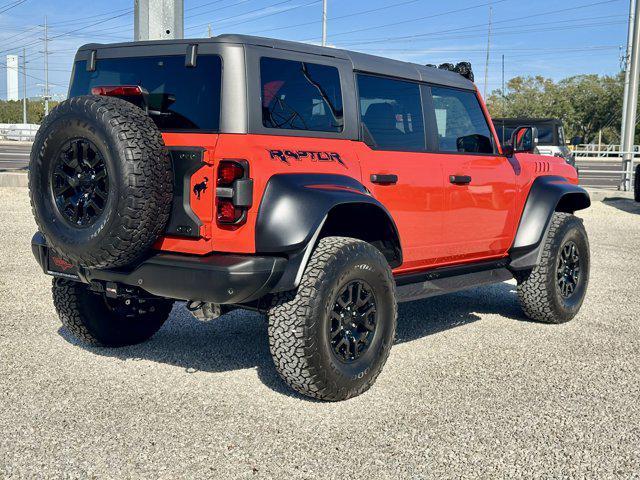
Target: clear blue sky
546, 37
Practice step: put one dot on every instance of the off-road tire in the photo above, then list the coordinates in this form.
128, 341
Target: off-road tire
636, 185
538, 291
298, 321
140, 183
91, 318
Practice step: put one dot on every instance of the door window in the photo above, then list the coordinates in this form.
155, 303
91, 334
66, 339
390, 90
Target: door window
462, 126
391, 110
300, 96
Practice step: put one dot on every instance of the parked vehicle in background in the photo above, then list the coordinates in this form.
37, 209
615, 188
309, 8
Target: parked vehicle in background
551, 138
316, 185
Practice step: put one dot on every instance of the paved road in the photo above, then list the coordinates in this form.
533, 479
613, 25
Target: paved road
591, 173
17, 158
14, 157
471, 389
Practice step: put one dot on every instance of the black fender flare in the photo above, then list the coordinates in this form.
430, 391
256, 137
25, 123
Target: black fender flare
293, 210
547, 195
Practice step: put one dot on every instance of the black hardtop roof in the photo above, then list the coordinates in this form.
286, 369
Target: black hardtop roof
360, 61
517, 121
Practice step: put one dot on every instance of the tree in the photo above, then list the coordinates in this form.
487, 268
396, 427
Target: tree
586, 104
11, 111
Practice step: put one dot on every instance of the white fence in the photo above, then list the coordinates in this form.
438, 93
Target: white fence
606, 164
18, 131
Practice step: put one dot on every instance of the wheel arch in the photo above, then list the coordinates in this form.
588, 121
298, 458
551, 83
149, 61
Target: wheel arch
297, 210
547, 195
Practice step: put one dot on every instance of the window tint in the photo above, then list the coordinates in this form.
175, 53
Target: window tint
300, 96
392, 112
545, 134
462, 126
180, 98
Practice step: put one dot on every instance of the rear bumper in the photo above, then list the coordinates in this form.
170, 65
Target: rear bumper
216, 278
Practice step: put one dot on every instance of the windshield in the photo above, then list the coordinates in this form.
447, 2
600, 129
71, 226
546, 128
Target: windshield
180, 98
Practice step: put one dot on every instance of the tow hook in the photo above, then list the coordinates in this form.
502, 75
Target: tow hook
204, 311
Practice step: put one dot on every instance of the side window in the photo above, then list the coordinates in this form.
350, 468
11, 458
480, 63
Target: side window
462, 126
300, 96
392, 112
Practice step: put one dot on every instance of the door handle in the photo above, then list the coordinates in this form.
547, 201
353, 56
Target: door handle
460, 179
384, 179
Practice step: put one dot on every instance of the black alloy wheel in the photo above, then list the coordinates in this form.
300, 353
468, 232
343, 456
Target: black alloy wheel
353, 321
80, 182
568, 269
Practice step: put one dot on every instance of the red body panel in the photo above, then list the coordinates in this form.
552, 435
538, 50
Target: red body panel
439, 223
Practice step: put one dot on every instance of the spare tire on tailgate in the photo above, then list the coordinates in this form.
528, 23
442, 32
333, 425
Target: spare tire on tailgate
100, 181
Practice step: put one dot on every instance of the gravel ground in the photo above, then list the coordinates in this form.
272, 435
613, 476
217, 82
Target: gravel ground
471, 388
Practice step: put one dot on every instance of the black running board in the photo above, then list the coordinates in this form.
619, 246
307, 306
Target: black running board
451, 279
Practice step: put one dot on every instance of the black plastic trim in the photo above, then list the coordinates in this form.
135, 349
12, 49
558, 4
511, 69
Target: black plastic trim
452, 271
547, 195
183, 221
449, 284
216, 278
294, 205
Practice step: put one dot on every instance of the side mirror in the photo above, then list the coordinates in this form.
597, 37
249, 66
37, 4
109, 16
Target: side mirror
524, 140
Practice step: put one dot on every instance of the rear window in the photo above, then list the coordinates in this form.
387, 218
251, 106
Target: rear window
391, 110
300, 96
180, 98
545, 134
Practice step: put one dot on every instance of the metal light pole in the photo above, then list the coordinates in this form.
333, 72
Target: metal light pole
629, 115
324, 23
46, 68
627, 70
24, 85
486, 65
158, 19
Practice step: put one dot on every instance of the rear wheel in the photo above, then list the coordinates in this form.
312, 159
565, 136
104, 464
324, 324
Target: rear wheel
330, 338
97, 320
636, 185
554, 290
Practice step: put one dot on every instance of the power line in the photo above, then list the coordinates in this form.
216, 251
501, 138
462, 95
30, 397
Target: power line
465, 28
9, 6
255, 11
339, 17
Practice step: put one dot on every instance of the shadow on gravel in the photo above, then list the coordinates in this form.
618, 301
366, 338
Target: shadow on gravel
624, 204
238, 340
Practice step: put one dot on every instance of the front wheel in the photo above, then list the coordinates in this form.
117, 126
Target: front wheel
331, 337
554, 290
108, 322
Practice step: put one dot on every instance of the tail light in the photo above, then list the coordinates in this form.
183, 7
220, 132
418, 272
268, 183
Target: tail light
234, 192
118, 91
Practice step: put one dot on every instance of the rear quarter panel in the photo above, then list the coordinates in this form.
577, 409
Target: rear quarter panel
270, 155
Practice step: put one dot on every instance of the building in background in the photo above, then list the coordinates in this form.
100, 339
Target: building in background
12, 78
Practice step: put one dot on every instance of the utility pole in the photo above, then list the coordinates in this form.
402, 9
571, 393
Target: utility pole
209, 31
627, 70
158, 19
486, 64
503, 103
629, 115
24, 85
46, 68
324, 23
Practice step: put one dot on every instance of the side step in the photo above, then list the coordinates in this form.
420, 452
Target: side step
451, 279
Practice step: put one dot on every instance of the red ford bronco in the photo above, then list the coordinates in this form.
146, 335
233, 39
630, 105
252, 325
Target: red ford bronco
318, 186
